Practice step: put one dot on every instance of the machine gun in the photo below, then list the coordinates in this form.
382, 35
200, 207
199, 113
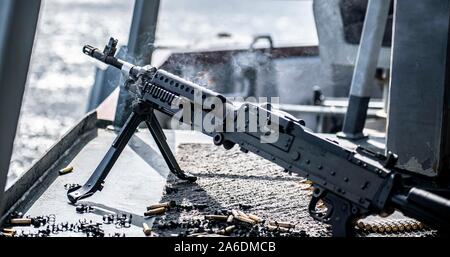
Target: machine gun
352, 183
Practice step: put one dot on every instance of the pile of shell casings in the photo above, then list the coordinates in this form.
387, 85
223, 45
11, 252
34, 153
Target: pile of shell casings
227, 223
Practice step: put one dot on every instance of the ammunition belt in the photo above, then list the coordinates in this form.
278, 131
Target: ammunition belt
388, 226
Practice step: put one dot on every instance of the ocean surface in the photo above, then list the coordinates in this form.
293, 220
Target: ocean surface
60, 76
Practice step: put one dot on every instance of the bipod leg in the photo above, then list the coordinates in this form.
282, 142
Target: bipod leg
97, 178
161, 141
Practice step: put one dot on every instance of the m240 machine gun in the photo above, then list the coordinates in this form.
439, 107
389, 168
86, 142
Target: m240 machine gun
352, 183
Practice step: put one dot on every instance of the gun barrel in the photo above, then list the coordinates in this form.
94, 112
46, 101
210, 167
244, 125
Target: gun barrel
97, 54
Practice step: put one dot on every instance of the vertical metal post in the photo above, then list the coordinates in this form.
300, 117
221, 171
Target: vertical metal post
419, 110
18, 20
140, 48
366, 65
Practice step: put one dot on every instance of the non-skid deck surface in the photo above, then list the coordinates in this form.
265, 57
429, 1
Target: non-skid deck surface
232, 180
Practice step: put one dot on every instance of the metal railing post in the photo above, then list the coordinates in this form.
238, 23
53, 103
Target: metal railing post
366, 65
140, 48
18, 20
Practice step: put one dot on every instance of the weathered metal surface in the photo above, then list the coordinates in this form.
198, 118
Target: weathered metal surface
419, 102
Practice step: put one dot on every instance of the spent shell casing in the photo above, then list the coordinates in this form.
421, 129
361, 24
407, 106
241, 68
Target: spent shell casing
245, 220
161, 205
272, 228
196, 234
306, 181
282, 224
211, 235
203, 234
6, 234
243, 214
9, 230
147, 230
235, 213
230, 219
230, 229
216, 217
155, 212
21, 222
66, 170
276, 228
255, 218
227, 230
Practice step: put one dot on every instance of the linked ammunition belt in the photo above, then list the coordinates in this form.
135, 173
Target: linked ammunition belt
387, 226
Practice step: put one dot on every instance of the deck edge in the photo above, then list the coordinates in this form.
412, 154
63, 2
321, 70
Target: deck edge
26, 182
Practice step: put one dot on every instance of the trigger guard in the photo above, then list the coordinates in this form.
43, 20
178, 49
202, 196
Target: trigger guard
320, 216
